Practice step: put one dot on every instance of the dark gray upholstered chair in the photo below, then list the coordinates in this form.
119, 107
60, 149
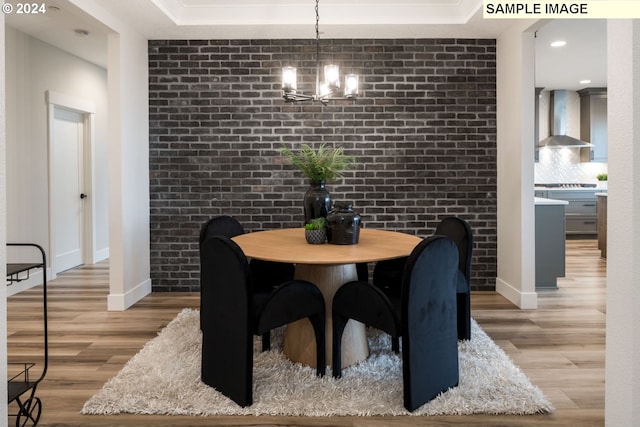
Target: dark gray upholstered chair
266, 274
232, 314
362, 270
221, 226
459, 230
387, 274
425, 319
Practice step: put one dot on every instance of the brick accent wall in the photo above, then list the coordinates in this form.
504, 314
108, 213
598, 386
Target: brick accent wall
424, 130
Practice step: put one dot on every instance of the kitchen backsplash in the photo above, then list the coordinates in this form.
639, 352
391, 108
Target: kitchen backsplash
564, 166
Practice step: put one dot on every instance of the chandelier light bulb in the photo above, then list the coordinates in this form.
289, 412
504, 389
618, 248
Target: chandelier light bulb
289, 80
351, 85
332, 76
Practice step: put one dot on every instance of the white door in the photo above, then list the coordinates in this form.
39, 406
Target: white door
67, 189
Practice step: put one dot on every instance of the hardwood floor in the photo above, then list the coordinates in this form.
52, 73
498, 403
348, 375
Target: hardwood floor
559, 346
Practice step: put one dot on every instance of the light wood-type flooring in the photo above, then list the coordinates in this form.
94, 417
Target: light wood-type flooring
559, 346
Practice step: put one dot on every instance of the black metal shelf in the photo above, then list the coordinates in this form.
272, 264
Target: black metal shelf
29, 409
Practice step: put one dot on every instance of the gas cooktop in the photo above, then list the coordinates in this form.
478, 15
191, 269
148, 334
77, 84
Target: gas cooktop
572, 185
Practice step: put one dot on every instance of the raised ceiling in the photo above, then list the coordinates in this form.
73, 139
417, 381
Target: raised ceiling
201, 19
583, 57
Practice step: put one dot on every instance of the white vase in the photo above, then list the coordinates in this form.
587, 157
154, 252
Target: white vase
602, 185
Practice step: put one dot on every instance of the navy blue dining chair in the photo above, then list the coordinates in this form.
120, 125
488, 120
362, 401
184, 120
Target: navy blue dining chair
425, 318
266, 275
459, 230
232, 313
387, 274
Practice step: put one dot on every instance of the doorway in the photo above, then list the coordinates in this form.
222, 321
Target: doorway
69, 182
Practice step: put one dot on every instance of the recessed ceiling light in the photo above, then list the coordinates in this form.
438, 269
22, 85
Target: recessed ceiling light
585, 82
558, 43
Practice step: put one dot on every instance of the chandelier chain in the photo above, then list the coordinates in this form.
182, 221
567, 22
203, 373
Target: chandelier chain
330, 90
317, 26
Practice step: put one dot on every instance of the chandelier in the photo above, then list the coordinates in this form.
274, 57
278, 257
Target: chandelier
326, 90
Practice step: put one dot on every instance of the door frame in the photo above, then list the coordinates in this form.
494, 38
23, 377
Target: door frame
87, 110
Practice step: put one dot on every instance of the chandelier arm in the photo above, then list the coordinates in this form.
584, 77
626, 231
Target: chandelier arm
289, 97
289, 92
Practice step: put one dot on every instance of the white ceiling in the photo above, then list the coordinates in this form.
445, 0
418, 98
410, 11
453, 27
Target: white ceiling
57, 26
583, 57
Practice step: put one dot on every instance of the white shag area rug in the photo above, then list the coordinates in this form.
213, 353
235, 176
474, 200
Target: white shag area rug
164, 378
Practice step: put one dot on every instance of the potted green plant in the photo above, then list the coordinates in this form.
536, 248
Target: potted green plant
319, 166
323, 164
315, 231
602, 180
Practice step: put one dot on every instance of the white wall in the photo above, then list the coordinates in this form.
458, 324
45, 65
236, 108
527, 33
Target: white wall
124, 146
3, 236
128, 167
129, 170
33, 68
622, 377
515, 120
128, 88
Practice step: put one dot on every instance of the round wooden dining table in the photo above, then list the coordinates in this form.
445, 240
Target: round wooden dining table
328, 266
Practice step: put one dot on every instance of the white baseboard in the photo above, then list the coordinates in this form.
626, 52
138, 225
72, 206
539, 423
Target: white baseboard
120, 302
524, 300
101, 255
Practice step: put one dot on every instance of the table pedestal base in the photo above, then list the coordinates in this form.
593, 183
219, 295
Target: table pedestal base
299, 339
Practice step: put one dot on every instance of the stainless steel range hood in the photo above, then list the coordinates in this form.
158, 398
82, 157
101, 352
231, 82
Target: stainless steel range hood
557, 124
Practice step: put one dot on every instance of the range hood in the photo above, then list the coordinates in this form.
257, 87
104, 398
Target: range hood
558, 122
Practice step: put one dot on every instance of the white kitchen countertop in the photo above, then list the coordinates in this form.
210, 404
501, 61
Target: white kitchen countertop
599, 190
543, 201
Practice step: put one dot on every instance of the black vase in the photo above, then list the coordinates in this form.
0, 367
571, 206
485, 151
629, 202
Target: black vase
343, 225
317, 202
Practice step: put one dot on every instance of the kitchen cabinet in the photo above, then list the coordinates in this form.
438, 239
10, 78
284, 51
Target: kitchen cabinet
581, 213
550, 242
593, 124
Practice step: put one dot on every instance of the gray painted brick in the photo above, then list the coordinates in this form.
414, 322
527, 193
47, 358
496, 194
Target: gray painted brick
424, 130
